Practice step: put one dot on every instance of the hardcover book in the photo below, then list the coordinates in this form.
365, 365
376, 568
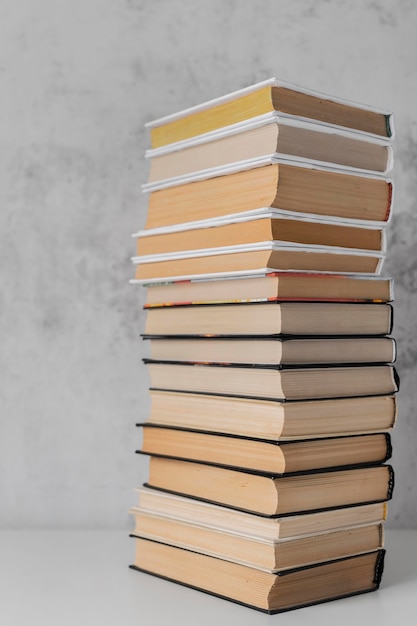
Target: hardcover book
296, 188
272, 495
246, 231
271, 318
258, 257
281, 286
272, 350
265, 591
282, 457
272, 419
276, 382
266, 99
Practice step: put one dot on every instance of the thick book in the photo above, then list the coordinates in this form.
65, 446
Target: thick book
251, 587
272, 495
245, 231
276, 457
255, 140
276, 382
294, 188
273, 350
271, 286
221, 518
272, 419
259, 257
271, 318
260, 553
266, 99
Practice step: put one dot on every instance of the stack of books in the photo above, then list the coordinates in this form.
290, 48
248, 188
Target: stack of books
270, 353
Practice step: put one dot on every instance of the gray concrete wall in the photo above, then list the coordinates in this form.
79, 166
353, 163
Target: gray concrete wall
78, 80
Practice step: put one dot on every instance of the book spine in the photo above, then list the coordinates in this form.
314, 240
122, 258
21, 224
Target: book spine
391, 482
379, 567
389, 447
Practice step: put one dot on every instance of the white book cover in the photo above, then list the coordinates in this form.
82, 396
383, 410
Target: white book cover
268, 246
240, 166
251, 274
247, 218
253, 247
307, 217
274, 82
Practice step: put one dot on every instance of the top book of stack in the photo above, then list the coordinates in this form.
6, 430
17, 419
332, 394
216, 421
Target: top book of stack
269, 98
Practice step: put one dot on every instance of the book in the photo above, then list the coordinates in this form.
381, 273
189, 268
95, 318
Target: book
256, 140
273, 350
272, 495
270, 318
265, 99
276, 382
272, 419
260, 553
197, 512
282, 457
251, 587
271, 286
264, 256
250, 230
295, 188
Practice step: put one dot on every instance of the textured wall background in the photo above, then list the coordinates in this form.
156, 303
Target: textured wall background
78, 80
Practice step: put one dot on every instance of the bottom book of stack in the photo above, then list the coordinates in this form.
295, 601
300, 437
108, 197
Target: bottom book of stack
270, 563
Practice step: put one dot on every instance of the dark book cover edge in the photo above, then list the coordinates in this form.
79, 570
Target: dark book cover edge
279, 300
267, 366
272, 337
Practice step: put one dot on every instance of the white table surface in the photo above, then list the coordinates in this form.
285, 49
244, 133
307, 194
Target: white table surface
81, 578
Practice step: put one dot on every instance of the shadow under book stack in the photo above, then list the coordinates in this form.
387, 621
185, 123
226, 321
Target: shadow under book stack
273, 388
